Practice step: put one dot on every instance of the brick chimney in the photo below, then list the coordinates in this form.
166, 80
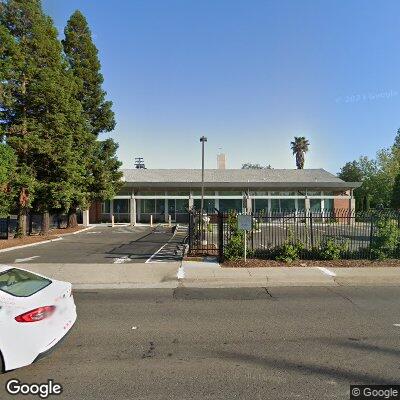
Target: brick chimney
221, 161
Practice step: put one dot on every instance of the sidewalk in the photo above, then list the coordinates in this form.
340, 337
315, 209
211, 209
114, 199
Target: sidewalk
209, 275
111, 276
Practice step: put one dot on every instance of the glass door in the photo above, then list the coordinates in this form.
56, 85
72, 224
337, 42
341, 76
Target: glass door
172, 209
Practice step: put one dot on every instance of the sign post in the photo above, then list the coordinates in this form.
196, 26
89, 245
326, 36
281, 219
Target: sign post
244, 224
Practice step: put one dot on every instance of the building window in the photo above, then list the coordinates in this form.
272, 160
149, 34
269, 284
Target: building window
160, 206
147, 206
230, 193
209, 204
105, 207
178, 194
182, 205
206, 193
121, 206
230, 204
301, 204
284, 193
315, 205
260, 205
151, 193
281, 205
328, 204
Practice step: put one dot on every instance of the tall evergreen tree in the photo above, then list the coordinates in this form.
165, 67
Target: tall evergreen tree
100, 173
41, 110
82, 56
8, 170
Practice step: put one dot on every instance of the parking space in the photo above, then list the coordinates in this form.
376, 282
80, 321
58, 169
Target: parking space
120, 244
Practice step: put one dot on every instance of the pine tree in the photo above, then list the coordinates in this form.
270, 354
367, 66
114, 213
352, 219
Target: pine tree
41, 110
8, 170
82, 56
100, 174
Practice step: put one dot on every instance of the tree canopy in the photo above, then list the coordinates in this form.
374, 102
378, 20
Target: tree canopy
52, 109
378, 177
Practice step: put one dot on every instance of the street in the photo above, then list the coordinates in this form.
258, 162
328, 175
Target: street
258, 343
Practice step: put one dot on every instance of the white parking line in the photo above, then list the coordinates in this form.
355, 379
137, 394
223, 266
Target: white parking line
20, 260
181, 273
162, 247
121, 260
326, 271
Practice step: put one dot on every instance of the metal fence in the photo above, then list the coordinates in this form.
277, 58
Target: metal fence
356, 233
9, 225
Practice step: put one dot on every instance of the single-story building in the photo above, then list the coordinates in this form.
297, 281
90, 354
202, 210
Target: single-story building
170, 193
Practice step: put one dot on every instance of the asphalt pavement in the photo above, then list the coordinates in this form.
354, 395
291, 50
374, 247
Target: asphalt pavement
99, 245
250, 343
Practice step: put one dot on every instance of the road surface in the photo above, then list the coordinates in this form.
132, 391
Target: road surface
284, 343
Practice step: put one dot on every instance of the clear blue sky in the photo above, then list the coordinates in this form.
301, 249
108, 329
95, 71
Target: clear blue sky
249, 75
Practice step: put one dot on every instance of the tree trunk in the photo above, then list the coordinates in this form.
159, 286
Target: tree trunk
45, 223
21, 231
72, 218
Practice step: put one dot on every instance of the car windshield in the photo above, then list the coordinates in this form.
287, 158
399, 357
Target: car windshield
21, 283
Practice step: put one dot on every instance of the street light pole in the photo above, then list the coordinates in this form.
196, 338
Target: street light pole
203, 139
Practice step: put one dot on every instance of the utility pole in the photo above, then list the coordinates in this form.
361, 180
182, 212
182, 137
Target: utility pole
139, 163
203, 139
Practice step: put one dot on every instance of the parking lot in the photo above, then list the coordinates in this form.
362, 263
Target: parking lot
105, 245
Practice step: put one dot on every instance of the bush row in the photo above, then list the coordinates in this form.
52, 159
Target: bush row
385, 244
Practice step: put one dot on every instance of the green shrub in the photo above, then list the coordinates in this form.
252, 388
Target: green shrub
232, 222
289, 252
332, 250
234, 250
386, 239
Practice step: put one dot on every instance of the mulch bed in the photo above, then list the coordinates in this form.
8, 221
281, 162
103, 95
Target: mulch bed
256, 263
53, 234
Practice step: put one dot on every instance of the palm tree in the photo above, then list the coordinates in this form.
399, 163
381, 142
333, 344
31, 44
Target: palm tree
300, 148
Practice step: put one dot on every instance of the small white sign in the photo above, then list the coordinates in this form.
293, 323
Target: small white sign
245, 222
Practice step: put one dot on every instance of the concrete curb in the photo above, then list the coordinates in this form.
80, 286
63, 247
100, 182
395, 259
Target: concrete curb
110, 286
30, 244
62, 235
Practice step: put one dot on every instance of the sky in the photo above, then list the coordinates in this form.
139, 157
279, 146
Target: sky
249, 75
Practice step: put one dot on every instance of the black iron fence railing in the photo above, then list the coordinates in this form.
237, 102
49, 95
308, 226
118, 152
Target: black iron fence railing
357, 235
9, 225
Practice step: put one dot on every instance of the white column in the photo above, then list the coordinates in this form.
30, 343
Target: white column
269, 202
217, 200
85, 214
166, 211
322, 202
133, 210
111, 209
249, 204
191, 202
307, 204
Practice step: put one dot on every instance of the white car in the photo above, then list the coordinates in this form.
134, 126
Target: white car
36, 312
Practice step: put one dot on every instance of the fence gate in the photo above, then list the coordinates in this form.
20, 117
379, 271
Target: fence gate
206, 234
